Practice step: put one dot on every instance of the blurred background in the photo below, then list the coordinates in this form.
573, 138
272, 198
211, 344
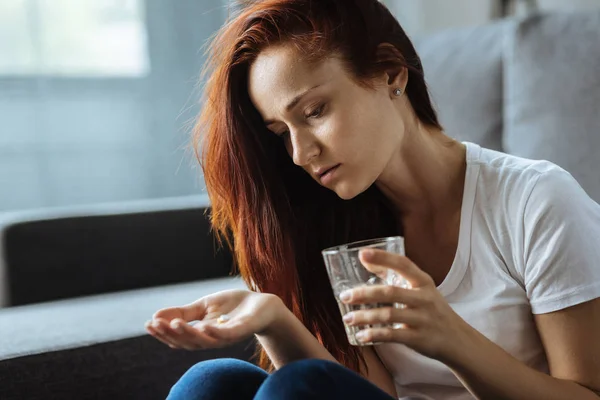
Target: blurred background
97, 96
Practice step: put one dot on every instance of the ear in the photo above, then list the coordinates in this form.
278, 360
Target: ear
396, 73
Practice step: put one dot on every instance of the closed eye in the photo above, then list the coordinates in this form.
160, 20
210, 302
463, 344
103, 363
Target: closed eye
317, 112
280, 134
283, 134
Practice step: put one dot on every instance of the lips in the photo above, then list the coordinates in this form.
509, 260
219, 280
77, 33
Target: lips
328, 175
327, 170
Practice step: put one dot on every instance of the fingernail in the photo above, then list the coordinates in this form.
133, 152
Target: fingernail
367, 253
176, 325
360, 335
348, 317
157, 327
345, 295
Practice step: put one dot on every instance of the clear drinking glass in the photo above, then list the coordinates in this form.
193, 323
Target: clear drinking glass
346, 272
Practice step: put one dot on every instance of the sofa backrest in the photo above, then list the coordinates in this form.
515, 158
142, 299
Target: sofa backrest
552, 93
463, 69
529, 87
55, 254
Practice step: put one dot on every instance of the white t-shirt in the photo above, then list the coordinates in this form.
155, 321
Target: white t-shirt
529, 243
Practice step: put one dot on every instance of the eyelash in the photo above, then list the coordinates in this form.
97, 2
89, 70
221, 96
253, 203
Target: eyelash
316, 113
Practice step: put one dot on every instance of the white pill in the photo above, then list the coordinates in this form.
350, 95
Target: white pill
223, 318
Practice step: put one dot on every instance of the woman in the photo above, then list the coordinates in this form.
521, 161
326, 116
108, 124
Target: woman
318, 130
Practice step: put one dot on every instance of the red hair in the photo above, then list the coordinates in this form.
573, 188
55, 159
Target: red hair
275, 217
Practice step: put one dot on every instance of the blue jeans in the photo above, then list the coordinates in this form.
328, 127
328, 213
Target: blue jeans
225, 378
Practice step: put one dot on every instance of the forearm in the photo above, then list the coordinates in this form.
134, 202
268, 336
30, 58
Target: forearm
288, 340
489, 372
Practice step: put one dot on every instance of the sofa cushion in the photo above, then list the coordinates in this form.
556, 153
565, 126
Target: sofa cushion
463, 68
552, 86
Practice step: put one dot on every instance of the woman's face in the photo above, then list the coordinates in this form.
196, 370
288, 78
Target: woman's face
326, 120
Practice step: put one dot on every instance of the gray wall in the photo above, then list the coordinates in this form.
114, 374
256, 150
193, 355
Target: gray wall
67, 141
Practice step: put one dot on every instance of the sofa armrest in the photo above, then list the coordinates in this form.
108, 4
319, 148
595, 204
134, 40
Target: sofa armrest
72, 323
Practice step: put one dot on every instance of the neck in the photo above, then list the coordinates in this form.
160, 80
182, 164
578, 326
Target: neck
425, 177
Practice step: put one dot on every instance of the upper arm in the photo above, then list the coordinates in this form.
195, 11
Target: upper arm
562, 275
561, 244
571, 338
377, 372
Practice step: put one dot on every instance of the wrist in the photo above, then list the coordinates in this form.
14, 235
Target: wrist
476, 354
277, 312
460, 351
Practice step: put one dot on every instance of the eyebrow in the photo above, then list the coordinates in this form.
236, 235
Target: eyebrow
293, 103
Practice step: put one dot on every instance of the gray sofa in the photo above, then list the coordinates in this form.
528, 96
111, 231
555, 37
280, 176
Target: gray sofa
79, 283
530, 87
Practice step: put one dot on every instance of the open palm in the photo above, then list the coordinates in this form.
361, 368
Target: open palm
248, 312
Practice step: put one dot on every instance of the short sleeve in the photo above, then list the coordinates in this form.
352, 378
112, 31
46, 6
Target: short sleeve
561, 243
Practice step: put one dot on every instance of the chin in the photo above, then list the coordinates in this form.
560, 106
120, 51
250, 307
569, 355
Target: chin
345, 195
348, 192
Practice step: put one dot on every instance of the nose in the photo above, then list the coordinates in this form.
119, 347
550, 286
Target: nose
304, 147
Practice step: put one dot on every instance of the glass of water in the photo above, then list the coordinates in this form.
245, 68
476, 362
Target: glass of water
346, 271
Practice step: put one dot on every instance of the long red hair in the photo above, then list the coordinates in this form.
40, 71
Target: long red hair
274, 216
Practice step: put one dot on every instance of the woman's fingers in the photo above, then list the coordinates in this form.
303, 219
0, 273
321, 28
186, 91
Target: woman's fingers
168, 313
191, 337
382, 294
174, 335
374, 260
156, 329
179, 334
402, 335
189, 312
384, 315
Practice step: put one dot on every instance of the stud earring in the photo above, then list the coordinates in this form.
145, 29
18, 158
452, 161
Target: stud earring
397, 92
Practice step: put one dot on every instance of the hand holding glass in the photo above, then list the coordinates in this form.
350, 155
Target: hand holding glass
346, 271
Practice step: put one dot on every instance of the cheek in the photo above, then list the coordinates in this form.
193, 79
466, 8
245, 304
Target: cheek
376, 141
345, 135
367, 139
360, 136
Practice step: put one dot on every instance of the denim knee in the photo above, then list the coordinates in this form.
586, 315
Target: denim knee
222, 378
318, 380
308, 378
